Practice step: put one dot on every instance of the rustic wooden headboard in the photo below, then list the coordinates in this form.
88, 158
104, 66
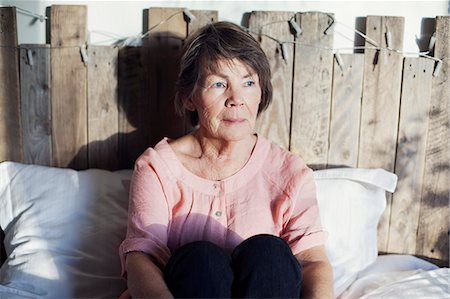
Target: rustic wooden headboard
67, 105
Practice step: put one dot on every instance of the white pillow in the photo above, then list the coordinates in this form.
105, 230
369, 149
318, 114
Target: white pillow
62, 230
351, 201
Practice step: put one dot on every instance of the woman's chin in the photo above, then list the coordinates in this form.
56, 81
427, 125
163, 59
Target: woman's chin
236, 135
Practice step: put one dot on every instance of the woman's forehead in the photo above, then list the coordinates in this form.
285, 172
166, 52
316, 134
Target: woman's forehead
227, 67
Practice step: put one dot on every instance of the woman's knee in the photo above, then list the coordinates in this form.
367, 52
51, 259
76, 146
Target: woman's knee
199, 269
263, 245
200, 253
266, 252
265, 267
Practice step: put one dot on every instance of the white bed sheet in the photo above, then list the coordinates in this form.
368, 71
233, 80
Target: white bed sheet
391, 276
12, 293
400, 276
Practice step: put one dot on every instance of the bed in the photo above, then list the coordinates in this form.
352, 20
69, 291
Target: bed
63, 228
382, 189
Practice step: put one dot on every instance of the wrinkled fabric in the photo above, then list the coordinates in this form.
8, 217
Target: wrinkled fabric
274, 193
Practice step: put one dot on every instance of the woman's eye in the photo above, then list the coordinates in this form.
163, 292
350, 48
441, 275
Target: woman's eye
218, 85
249, 83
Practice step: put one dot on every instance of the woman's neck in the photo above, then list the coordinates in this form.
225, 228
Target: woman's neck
213, 159
223, 150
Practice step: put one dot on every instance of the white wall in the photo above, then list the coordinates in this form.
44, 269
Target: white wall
124, 18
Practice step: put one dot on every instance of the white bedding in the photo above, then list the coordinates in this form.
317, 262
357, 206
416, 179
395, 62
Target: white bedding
390, 276
400, 276
63, 228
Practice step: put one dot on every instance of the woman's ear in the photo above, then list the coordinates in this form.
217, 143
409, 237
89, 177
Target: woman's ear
189, 105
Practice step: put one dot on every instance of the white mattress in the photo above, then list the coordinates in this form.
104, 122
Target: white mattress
400, 276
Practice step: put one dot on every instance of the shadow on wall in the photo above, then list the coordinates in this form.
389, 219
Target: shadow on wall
427, 29
146, 91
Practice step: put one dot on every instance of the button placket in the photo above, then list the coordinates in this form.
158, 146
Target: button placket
218, 187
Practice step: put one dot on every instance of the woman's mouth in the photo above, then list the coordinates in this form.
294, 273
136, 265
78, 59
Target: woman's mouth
233, 121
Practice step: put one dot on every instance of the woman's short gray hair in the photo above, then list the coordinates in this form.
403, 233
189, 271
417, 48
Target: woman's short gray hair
202, 52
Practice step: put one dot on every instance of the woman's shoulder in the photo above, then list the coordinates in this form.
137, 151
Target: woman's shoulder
157, 157
284, 166
184, 145
282, 157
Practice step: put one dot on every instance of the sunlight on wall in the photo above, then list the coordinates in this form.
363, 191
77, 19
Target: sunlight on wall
103, 16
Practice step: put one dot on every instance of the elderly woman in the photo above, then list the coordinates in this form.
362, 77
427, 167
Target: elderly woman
222, 212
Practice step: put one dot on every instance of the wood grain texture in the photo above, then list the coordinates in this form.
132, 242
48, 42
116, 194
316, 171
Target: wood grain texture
346, 110
410, 160
35, 103
274, 123
313, 69
164, 44
68, 25
10, 131
380, 105
169, 22
433, 233
69, 80
103, 115
381, 94
134, 104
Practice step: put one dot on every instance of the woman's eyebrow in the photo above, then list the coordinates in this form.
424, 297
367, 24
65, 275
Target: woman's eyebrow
249, 75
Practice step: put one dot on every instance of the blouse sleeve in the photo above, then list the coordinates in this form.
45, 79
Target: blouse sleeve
148, 216
303, 229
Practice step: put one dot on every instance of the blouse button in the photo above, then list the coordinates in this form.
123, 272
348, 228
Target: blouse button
218, 213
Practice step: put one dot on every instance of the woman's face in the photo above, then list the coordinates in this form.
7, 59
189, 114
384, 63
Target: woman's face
227, 102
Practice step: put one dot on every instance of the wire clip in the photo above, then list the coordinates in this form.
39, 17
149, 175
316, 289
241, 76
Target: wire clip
189, 15
83, 52
437, 68
388, 39
295, 27
432, 42
30, 57
330, 27
284, 51
339, 60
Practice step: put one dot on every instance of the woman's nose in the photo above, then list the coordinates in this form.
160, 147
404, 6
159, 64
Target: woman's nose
235, 97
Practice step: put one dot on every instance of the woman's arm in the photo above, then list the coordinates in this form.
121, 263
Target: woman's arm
145, 279
317, 274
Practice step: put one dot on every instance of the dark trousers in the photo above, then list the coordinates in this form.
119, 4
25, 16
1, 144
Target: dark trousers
262, 266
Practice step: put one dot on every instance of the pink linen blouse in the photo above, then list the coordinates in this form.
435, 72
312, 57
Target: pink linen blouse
274, 193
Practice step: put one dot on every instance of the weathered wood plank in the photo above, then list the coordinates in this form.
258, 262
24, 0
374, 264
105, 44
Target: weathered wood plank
10, 132
345, 111
164, 44
274, 123
433, 233
68, 25
35, 104
69, 78
134, 104
313, 69
103, 118
380, 105
410, 160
